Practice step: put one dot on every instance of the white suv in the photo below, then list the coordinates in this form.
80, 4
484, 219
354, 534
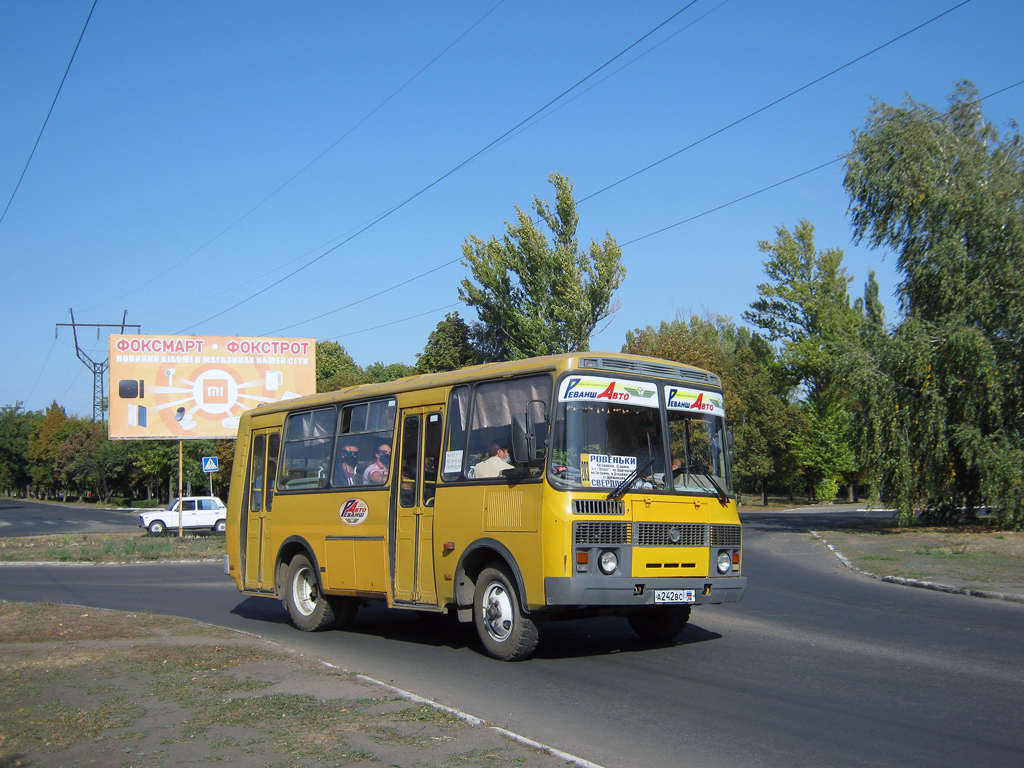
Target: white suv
199, 512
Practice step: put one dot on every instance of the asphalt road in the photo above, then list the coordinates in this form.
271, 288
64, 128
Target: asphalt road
816, 667
33, 518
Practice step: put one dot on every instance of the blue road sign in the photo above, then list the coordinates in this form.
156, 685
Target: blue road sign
209, 463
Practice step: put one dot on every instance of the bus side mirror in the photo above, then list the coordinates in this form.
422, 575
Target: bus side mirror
730, 440
524, 439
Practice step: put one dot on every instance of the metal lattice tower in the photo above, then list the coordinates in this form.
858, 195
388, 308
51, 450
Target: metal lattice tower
98, 369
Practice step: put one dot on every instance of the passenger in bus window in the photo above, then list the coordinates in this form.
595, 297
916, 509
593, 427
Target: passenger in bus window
495, 465
377, 473
349, 460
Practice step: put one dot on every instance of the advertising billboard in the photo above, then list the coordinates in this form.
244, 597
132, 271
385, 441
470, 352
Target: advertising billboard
185, 387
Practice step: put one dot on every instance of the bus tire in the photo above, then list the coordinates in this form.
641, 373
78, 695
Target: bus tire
310, 611
506, 632
659, 623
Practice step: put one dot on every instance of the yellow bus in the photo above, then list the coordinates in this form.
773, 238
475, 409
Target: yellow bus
586, 484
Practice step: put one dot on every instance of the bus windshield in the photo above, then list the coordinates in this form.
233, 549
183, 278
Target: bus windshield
607, 429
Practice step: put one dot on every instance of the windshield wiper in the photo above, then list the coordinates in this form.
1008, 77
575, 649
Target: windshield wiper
696, 469
633, 476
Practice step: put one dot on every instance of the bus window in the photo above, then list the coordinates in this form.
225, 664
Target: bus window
494, 403
458, 411
307, 450
408, 461
256, 489
364, 429
273, 447
431, 457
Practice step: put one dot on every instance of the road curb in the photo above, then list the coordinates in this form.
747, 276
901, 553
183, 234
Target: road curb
916, 582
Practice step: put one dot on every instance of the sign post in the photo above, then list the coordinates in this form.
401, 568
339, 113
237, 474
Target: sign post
181, 505
209, 467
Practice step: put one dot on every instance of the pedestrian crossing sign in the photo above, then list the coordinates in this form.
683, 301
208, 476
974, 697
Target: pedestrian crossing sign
209, 463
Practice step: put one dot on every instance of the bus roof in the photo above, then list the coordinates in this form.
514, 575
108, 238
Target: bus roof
608, 363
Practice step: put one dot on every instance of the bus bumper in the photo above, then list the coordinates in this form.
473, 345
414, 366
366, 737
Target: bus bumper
600, 590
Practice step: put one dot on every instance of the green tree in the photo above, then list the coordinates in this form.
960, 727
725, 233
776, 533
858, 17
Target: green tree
335, 368
448, 347
805, 306
16, 427
944, 191
379, 372
755, 393
539, 297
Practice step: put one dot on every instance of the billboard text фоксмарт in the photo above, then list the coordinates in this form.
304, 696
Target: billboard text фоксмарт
181, 387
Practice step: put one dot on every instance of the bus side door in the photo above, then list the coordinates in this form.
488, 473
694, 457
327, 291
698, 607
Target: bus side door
412, 509
266, 447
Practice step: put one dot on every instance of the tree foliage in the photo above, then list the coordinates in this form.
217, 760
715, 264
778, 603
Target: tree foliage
539, 297
805, 306
944, 191
448, 348
755, 394
335, 368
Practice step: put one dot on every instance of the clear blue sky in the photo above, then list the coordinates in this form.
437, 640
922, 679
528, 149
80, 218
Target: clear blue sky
178, 118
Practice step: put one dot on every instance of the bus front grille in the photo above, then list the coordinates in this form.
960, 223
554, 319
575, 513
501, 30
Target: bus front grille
593, 533
598, 507
671, 535
726, 535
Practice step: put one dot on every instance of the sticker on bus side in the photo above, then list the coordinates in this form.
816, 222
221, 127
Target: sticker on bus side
600, 471
599, 388
684, 399
353, 511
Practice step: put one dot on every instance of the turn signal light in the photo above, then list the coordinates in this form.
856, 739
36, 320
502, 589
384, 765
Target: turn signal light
582, 558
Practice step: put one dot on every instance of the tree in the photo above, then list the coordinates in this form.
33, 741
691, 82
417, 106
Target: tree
755, 393
335, 368
806, 307
379, 372
535, 297
944, 191
448, 347
16, 427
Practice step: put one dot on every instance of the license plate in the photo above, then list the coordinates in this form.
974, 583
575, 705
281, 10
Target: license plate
675, 595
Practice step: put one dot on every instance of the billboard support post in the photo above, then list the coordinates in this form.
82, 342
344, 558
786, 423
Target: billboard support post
181, 504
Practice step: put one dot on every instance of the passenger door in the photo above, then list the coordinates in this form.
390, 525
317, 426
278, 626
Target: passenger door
189, 514
266, 446
412, 508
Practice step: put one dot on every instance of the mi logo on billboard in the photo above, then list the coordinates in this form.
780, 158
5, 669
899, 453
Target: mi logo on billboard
215, 391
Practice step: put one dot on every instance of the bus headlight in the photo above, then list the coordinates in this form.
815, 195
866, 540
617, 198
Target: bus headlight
608, 562
724, 561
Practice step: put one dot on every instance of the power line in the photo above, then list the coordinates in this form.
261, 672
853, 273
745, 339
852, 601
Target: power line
438, 180
49, 112
365, 298
393, 322
306, 167
611, 74
773, 103
784, 181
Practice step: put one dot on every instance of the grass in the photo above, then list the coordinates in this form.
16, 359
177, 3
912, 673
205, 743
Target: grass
110, 548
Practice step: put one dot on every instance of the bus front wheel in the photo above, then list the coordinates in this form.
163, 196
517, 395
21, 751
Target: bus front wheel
659, 623
505, 631
310, 611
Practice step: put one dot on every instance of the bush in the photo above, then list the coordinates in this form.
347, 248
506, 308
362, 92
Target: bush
145, 503
826, 490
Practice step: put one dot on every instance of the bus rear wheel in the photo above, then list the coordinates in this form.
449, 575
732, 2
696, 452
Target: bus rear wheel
310, 611
504, 629
659, 623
